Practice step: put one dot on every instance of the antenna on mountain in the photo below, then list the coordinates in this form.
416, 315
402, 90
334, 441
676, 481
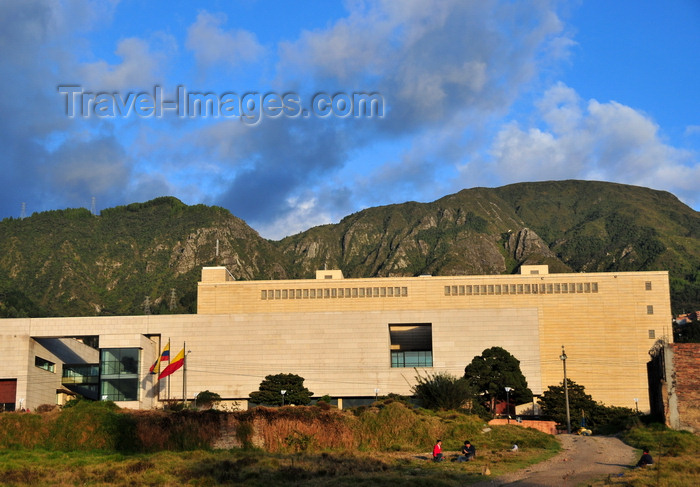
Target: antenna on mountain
92, 206
173, 301
147, 305
23, 213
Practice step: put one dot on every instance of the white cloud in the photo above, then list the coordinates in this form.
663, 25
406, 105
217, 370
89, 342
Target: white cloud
301, 214
140, 67
214, 46
430, 63
593, 140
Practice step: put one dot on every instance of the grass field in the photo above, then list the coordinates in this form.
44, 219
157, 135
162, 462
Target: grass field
387, 445
250, 468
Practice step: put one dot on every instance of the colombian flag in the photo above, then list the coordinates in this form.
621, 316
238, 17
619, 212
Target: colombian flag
177, 362
164, 357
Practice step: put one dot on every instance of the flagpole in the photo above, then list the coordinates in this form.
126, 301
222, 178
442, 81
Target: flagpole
168, 376
184, 375
159, 352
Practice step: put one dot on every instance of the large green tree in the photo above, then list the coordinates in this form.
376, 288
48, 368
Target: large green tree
270, 392
553, 402
494, 370
584, 410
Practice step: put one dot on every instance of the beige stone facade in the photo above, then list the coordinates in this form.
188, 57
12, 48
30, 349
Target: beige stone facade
344, 335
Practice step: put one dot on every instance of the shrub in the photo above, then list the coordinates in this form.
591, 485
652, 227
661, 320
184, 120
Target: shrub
443, 391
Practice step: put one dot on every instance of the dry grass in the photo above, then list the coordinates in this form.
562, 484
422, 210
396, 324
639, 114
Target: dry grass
237, 467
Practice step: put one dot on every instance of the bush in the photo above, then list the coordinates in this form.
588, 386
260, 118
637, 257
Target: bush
443, 391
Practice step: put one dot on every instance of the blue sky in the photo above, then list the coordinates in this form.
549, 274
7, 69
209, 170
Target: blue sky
472, 93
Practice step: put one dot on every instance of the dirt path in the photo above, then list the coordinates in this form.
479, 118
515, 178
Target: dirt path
583, 458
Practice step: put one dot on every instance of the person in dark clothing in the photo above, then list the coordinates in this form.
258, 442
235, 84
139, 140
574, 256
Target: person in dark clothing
646, 459
468, 452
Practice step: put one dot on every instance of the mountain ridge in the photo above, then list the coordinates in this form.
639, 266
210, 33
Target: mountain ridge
146, 257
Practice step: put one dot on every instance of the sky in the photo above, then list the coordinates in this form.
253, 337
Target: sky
296, 114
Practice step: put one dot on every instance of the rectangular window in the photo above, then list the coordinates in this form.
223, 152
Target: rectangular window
404, 291
557, 288
298, 293
527, 288
341, 293
564, 288
411, 345
594, 287
490, 289
119, 369
647, 285
650, 309
652, 333
520, 288
461, 290
587, 287
284, 294
382, 291
319, 293
326, 293
468, 290
397, 291
512, 288
263, 294
454, 290
44, 364
354, 292
476, 290
312, 293
277, 294
334, 293
579, 287
362, 292
347, 292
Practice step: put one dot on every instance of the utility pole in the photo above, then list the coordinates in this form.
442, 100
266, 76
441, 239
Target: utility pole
566, 391
508, 389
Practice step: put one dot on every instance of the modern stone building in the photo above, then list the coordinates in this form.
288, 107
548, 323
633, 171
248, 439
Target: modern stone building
350, 338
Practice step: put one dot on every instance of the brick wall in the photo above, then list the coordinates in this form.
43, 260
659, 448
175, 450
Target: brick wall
549, 427
686, 384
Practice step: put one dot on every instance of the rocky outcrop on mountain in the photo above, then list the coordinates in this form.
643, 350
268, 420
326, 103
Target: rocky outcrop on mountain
525, 243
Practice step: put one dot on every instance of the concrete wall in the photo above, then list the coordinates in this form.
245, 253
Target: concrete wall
341, 345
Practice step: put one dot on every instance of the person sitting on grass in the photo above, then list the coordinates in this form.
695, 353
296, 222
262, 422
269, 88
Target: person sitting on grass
437, 452
468, 452
646, 459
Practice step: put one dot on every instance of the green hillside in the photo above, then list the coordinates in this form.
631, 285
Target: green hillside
147, 257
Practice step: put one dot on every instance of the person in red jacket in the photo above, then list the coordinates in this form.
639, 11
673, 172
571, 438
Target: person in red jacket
437, 452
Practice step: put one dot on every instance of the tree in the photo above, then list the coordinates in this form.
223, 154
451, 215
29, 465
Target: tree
553, 402
583, 410
270, 392
207, 399
443, 391
494, 370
